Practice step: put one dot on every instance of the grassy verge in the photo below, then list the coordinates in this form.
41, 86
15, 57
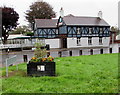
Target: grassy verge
81, 74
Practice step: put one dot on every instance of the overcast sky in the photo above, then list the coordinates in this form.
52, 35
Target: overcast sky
75, 7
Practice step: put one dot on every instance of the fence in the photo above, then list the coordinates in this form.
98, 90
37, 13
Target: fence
15, 46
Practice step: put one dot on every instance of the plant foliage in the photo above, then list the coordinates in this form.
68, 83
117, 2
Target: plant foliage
40, 10
9, 21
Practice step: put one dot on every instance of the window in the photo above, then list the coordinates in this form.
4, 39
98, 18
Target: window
100, 40
56, 31
60, 54
70, 53
60, 20
89, 40
80, 52
110, 50
78, 41
91, 52
101, 51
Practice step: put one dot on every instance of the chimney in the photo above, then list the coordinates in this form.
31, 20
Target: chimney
61, 12
100, 14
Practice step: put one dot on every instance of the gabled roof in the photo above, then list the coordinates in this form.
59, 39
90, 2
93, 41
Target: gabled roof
79, 20
46, 23
71, 20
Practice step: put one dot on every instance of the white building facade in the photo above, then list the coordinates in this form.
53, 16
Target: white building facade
74, 36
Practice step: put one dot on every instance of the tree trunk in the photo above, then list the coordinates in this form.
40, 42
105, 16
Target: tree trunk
5, 36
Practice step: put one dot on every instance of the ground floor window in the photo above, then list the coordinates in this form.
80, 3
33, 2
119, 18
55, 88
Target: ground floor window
100, 40
48, 54
110, 50
80, 52
60, 54
91, 52
119, 49
101, 51
70, 53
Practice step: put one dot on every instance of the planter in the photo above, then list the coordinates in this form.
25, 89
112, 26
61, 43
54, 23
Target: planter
41, 69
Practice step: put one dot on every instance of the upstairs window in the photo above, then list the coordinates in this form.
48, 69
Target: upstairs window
78, 41
89, 40
100, 40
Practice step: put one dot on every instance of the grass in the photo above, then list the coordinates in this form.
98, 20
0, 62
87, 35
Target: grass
81, 74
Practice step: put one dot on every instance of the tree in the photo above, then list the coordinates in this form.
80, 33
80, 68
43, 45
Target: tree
29, 34
115, 29
40, 10
9, 21
21, 30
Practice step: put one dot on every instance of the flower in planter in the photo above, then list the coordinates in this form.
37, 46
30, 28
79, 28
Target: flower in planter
43, 59
40, 65
40, 54
50, 58
34, 58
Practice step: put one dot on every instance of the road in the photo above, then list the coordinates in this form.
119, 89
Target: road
4, 55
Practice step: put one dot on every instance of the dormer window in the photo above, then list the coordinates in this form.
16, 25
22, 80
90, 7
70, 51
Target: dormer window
60, 21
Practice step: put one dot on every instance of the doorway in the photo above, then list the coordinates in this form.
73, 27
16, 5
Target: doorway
110, 50
101, 51
70, 53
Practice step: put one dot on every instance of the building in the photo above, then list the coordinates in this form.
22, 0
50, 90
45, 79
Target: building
74, 35
114, 43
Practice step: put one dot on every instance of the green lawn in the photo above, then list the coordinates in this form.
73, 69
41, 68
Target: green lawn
82, 74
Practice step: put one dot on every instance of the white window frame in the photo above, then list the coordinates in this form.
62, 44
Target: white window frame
89, 40
78, 41
100, 41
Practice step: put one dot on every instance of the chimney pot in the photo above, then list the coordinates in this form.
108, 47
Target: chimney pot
100, 14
